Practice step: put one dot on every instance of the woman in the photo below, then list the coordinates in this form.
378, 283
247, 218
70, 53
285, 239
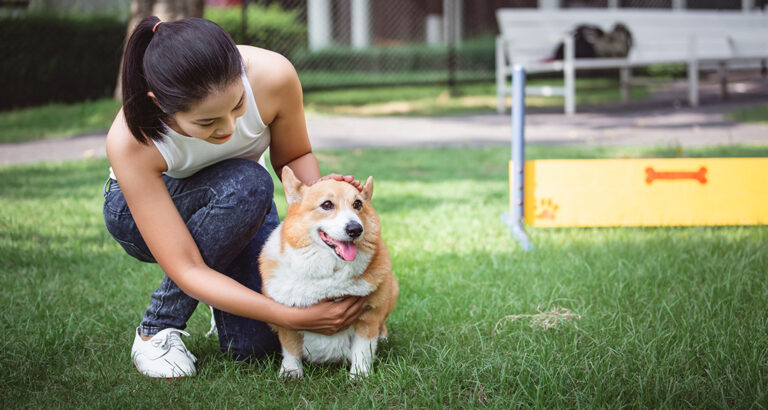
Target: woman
186, 191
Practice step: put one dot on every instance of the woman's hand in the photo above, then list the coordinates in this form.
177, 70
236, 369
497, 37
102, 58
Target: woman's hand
327, 317
343, 178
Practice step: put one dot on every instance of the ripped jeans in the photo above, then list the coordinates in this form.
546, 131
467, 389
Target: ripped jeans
229, 211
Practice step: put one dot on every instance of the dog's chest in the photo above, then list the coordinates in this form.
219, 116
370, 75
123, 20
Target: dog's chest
322, 349
306, 276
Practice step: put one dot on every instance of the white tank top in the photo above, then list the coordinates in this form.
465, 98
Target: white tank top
186, 155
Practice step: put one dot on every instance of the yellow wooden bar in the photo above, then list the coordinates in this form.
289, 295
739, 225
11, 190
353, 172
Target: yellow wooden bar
646, 192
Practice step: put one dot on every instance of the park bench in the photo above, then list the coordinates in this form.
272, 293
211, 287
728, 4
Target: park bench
694, 38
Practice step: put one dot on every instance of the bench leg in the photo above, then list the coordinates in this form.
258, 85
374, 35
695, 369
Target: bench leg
625, 78
501, 77
501, 97
569, 76
693, 83
570, 91
722, 70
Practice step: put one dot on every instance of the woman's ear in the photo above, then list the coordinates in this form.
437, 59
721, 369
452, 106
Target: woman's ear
151, 95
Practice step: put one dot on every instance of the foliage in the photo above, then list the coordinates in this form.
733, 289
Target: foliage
269, 27
476, 54
49, 58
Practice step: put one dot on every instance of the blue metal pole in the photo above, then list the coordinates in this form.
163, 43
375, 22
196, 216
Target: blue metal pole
515, 220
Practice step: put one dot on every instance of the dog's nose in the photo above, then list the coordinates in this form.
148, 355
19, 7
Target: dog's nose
353, 229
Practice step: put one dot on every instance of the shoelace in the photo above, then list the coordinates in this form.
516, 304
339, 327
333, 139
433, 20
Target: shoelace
170, 338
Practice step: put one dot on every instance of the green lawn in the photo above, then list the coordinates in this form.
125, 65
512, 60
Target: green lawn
467, 98
64, 120
757, 114
57, 120
669, 317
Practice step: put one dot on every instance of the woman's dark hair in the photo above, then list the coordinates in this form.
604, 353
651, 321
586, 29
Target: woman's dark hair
181, 62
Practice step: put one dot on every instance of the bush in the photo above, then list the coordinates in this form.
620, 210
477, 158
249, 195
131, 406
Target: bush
268, 27
471, 55
58, 59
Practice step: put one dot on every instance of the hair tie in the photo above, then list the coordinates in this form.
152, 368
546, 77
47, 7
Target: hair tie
155, 27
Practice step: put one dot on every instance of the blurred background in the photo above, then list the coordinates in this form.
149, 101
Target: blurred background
69, 50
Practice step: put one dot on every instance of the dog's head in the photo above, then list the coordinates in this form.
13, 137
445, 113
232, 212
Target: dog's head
331, 214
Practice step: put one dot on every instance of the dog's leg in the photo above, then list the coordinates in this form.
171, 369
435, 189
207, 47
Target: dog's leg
383, 331
291, 342
291, 366
361, 356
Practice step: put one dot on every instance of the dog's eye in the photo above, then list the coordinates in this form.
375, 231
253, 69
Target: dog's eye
327, 205
358, 204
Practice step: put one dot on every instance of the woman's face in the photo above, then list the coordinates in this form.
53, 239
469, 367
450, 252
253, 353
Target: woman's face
212, 119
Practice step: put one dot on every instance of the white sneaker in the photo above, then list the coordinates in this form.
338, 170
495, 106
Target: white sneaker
164, 355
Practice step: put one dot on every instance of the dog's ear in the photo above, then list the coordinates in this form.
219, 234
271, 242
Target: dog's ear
368, 189
292, 186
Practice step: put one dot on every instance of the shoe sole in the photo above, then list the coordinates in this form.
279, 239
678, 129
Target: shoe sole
152, 377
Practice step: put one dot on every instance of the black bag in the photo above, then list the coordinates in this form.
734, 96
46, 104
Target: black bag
592, 42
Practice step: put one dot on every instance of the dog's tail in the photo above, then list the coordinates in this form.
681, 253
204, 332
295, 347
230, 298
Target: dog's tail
213, 330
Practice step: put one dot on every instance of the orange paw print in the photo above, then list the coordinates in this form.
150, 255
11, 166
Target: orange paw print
548, 209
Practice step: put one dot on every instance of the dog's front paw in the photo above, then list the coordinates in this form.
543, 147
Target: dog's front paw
359, 372
358, 376
291, 367
291, 373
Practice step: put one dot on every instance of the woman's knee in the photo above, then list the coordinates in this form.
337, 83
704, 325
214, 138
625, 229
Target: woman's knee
246, 185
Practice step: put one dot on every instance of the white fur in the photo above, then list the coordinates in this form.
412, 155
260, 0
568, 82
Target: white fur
361, 355
308, 275
323, 349
336, 226
291, 366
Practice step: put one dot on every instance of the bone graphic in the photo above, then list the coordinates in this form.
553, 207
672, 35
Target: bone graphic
652, 175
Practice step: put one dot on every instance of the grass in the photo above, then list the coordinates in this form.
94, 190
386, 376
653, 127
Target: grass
757, 114
57, 120
64, 120
436, 100
670, 317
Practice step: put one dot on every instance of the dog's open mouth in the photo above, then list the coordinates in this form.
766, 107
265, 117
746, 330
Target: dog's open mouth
346, 250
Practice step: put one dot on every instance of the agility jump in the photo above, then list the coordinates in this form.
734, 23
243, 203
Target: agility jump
628, 192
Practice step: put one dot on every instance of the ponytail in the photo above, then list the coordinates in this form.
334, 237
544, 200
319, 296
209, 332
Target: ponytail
143, 116
181, 62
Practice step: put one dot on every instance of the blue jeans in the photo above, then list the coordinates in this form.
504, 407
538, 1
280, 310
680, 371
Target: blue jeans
229, 211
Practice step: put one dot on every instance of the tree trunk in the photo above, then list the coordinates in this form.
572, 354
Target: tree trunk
166, 10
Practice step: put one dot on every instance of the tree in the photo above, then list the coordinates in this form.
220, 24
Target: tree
166, 10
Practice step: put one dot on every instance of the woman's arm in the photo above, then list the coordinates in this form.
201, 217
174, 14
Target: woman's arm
279, 96
139, 171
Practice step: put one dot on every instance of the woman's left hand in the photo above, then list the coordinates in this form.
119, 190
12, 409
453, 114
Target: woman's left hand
343, 178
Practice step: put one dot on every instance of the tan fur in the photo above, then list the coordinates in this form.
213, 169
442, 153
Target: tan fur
267, 267
303, 204
291, 340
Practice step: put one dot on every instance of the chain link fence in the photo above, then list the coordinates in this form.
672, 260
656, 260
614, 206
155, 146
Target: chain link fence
353, 43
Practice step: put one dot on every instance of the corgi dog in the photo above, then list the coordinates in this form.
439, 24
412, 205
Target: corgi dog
329, 246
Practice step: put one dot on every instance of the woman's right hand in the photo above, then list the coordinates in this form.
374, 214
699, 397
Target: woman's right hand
326, 317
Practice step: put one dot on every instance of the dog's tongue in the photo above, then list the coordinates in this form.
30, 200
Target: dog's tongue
347, 250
